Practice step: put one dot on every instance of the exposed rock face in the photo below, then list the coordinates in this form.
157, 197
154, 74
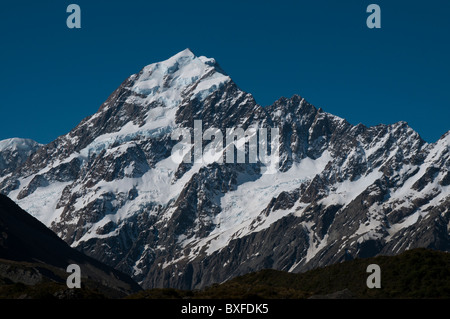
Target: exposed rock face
15, 151
111, 189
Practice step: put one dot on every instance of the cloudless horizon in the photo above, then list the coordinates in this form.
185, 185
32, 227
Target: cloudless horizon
53, 76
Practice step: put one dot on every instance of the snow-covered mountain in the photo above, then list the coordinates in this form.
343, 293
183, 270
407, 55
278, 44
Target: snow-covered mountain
15, 151
111, 189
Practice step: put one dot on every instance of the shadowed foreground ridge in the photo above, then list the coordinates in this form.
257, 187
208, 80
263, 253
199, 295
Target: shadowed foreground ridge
33, 262
417, 273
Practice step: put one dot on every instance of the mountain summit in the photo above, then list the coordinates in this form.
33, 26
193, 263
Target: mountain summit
14, 151
110, 188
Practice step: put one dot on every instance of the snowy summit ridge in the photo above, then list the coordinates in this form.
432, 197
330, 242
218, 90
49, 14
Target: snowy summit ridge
167, 81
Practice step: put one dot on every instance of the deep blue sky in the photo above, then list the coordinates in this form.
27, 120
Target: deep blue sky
52, 77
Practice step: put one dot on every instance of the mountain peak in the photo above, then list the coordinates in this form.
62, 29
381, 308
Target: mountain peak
165, 81
16, 143
14, 152
186, 52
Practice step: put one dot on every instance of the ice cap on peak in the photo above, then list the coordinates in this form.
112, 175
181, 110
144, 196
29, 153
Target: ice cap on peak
185, 55
185, 52
165, 81
183, 58
17, 143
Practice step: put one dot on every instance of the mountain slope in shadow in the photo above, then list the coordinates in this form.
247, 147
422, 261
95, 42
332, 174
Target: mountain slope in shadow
416, 273
33, 262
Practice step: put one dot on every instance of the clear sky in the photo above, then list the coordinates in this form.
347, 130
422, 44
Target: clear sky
52, 76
